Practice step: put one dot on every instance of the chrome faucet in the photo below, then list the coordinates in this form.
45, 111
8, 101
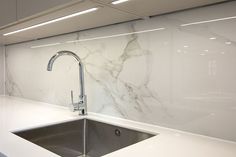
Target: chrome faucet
81, 105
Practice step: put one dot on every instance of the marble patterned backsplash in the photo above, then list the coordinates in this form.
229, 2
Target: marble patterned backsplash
170, 70
2, 58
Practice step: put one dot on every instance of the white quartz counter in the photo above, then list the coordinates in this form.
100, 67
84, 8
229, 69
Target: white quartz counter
19, 114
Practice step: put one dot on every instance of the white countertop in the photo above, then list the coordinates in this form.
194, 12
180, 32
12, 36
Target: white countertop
19, 114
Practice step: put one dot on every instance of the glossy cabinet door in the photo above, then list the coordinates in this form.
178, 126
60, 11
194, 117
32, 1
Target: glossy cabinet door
14, 10
7, 12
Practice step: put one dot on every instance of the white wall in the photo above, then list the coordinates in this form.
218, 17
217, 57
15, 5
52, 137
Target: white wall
178, 77
2, 70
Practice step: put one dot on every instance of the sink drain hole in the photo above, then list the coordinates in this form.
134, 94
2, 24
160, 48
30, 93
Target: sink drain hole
117, 132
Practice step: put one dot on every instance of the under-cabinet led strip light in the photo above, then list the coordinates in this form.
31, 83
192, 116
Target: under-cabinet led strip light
208, 21
101, 37
52, 21
46, 45
119, 1
116, 35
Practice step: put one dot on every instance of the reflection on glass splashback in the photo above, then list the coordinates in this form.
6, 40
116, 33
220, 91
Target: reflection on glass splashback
175, 70
1, 70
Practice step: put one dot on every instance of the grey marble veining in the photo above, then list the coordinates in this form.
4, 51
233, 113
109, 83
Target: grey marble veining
175, 76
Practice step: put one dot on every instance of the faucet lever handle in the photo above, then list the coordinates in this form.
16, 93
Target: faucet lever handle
72, 96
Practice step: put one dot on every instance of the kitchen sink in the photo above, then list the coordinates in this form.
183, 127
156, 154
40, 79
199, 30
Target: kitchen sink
87, 138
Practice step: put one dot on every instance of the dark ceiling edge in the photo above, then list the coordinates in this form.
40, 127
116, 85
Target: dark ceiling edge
135, 20
201, 6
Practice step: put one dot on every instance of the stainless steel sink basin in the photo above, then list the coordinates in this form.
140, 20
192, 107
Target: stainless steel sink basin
2, 155
83, 138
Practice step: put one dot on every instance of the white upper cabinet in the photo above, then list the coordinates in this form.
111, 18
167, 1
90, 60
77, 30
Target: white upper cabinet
26, 8
12, 11
146, 8
25, 20
7, 12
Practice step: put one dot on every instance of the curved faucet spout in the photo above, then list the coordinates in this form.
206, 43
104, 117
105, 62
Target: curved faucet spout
82, 96
61, 53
